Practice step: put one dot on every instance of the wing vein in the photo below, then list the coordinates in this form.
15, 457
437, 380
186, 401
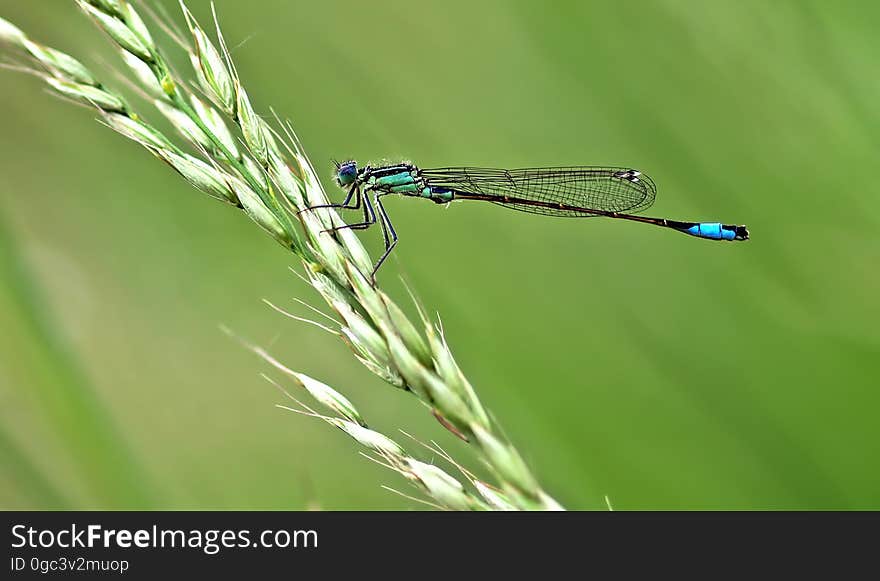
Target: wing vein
610, 189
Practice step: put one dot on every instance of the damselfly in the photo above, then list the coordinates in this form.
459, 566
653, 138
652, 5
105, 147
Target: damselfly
574, 192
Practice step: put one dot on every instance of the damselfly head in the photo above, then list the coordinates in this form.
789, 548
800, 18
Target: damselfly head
346, 173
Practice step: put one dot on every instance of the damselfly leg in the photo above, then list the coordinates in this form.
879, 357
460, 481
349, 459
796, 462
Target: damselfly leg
369, 214
344, 205
370, 209
388, 233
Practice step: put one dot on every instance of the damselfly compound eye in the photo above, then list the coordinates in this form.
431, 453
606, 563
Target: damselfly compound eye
346, 173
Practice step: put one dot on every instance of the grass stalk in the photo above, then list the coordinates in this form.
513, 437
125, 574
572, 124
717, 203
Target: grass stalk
265, 172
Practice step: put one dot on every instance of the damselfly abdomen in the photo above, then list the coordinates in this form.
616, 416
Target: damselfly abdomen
573, 192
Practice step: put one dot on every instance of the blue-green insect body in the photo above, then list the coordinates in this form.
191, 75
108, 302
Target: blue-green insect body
581, 192
396, 179
400, 179
412, 189
441, 195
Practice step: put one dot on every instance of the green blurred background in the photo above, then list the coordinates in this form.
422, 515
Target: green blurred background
660, 370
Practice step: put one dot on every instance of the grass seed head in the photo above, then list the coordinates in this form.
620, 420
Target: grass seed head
272, 186
118, 30
113, 7
185, 125
440, 485
138, 27
9, 33
61, 65
137, 131
330, 398
369, 438
507, 462
144, 75
203, 176
213, 74
494, 497
259, 213
88, 95
251, 127
213, 120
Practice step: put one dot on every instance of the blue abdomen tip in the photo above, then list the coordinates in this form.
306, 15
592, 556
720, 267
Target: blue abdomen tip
712, 231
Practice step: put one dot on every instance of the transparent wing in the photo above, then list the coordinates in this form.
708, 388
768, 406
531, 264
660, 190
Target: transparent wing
557, 191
